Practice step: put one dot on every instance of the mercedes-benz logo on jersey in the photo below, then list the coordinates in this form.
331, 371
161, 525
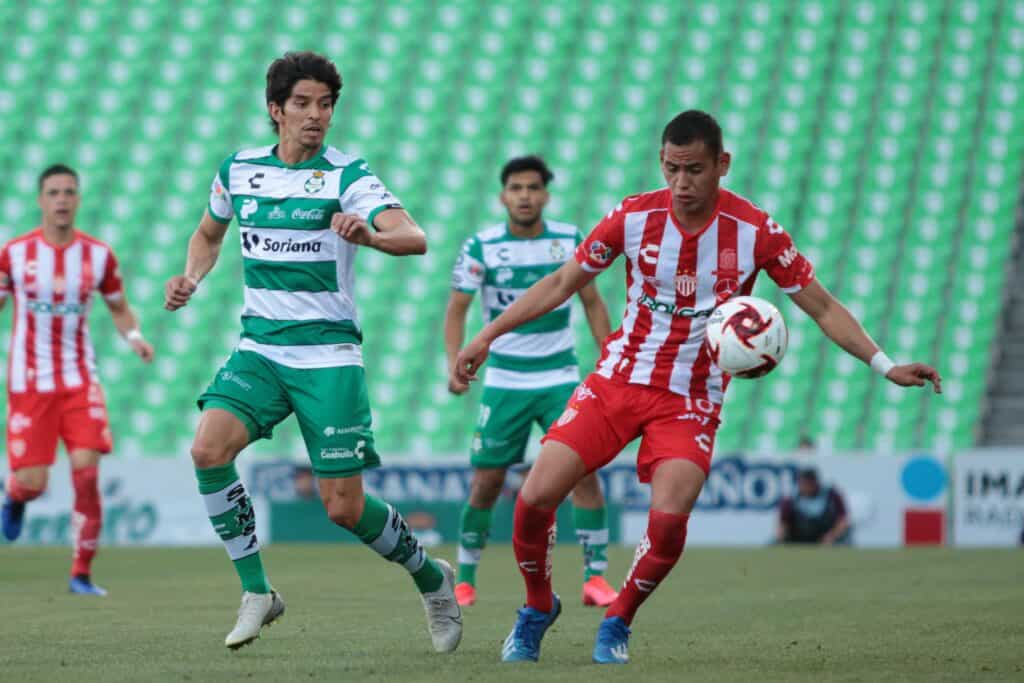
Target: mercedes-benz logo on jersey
315, 183
250, 241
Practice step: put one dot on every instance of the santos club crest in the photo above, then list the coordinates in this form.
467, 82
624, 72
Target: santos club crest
315, 183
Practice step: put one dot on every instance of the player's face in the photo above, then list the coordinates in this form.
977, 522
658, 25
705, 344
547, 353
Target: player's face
58, 200
693, 173
306, 114
524, 195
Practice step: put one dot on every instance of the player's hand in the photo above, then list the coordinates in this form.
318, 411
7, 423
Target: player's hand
455, 387
143, 349
915, 375
470, 358
177, 292
352, 228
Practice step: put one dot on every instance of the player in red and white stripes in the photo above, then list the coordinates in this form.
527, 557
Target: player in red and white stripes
688, 248
52, 387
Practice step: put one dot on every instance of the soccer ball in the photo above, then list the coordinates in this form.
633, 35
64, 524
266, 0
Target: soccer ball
746, 337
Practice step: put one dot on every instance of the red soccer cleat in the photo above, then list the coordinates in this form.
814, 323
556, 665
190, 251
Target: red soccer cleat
596, 592
465, 594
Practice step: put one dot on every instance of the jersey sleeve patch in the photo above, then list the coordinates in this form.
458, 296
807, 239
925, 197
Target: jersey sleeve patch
776, 253
604, 243
365, 196
221, 208
468, 273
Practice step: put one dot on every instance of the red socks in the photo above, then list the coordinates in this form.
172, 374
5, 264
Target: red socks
86, 519
657, 553
532, 538
17, 492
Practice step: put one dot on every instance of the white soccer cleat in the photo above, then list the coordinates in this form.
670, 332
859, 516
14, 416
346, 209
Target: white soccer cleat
257, 610
444, 616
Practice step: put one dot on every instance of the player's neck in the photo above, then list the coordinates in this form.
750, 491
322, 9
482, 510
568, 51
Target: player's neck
58, 235
292, 153
691, 223
527, 231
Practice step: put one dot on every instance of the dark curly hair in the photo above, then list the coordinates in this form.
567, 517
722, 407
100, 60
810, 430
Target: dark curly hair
293, 67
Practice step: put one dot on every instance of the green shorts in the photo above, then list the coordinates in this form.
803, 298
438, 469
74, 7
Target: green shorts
331, 405
506, 416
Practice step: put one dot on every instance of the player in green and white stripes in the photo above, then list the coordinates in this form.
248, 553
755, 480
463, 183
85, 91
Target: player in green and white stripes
303, 209
531, 373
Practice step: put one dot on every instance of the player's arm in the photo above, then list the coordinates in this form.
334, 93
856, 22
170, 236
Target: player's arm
454, 334
597, 313
550, 292
127, 324
839, 325
394, 232
203, 250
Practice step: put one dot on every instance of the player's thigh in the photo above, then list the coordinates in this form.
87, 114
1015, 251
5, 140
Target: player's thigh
83, 457
503, 428
33, 425
332, 406
675, 436
594, 424
246, 391
84, 424
675, 486
558, 469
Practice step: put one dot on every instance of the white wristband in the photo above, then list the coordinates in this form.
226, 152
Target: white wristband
133, 335
881, 363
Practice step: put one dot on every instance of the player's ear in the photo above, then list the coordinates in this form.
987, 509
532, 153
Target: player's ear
724, 160
274, 109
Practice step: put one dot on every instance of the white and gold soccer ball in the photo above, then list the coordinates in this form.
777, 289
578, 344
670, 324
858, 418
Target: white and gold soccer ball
747, 337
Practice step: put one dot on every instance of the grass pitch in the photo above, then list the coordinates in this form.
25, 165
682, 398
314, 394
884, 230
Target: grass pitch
723, 615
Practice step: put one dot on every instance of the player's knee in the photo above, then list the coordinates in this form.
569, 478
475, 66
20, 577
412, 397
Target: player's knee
344, 511
588, 492
206, 454
35, 481
485, 488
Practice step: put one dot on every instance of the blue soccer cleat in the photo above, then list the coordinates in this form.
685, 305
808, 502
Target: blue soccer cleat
12, 515
81, 584
523, 643
612, 643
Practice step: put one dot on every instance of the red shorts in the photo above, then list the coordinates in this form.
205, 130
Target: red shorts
603, 416
35, 421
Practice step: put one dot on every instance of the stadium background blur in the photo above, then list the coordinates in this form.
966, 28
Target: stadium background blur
886, 136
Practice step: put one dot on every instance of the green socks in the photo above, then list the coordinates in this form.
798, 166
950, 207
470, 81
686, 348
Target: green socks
592, 532
474, 528
383, 529
234, 520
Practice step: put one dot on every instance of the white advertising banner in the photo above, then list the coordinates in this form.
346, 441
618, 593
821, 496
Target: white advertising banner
740, 501
152, 501
988, 498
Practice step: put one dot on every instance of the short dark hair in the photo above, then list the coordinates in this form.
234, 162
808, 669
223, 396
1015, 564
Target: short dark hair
56, 169
527, 163
693, 125
293, 67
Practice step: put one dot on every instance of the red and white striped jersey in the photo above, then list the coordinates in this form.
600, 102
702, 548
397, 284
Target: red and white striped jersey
675, 280
52, 290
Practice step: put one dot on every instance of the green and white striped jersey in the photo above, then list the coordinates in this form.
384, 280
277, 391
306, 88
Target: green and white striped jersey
540, 353
299, 305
